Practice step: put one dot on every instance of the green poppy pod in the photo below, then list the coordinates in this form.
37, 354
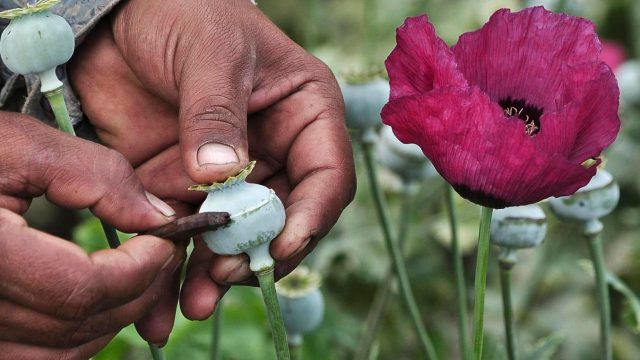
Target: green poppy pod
37, 43
257, 217
301, 302
405, 160
519, 227
593, 201
363, 103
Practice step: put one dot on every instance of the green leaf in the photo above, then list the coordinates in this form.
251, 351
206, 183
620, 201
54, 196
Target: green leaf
545, 348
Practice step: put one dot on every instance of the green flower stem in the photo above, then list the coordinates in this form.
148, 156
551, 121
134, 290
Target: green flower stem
216, 351
461, 289
59, 107
296, 351
507, 308
383, 293
597, 257
482, 265
544, 257
111, 234
374, 317
156, 352
268, 288
394, 251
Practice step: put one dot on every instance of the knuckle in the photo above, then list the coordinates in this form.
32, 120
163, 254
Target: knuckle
211, 114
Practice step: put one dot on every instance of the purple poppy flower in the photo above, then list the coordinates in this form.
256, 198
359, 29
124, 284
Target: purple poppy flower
511, 112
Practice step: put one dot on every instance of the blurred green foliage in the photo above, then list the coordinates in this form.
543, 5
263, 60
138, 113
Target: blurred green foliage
554, 296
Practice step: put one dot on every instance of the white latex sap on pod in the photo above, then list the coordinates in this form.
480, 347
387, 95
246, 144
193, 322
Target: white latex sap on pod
257, 217
301, 302
405, 160
36, 42
519, 227
364, 102
593, 201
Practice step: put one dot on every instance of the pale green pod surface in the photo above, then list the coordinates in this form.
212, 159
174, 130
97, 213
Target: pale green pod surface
364, 102
518, 227
301, 302
593, 201
257, 217
36, 43
406, 160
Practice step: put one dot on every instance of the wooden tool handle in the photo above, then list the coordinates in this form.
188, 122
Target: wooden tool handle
188, 226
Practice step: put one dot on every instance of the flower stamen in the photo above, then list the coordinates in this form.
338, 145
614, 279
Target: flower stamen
528, 113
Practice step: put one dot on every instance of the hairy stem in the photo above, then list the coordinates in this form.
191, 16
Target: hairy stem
482, 265
507, 309
216, 351
461, 289
383, 293
597, 257
394, 251
268, 288
59, 107
156, 352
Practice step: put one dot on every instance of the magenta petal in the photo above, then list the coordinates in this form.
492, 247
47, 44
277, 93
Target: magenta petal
486, 156
600, 122
421, 61
527, 55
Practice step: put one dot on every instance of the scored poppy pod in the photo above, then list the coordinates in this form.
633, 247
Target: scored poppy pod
510, 113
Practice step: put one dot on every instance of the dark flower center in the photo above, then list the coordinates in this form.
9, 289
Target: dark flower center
526, 112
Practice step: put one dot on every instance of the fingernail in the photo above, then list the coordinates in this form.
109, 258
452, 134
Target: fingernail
169, 260
216, 154
160, 205
240, 273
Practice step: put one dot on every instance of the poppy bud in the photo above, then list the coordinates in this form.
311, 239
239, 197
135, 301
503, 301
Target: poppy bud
363, 103
257, 217
518, 227
593, 201
36, 42
405, 160
628, 75
301, 302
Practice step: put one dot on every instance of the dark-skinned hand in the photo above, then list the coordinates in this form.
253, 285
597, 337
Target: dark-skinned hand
56, 301
189, 92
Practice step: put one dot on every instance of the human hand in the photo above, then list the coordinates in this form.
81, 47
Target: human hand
56, 301
169, 84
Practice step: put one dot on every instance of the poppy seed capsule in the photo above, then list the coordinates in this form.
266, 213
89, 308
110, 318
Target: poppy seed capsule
37, 43
363, 103
518, 227
301, 302
593, 201
406, 160
257, 217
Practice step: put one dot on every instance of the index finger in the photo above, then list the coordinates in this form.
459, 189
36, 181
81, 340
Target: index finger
322, 177
56, 277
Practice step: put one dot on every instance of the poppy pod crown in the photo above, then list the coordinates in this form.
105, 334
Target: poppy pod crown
509, 114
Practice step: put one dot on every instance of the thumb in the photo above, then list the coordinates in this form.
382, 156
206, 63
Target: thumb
213, 116
75, 173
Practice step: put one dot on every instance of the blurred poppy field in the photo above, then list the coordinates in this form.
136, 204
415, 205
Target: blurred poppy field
555, 305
